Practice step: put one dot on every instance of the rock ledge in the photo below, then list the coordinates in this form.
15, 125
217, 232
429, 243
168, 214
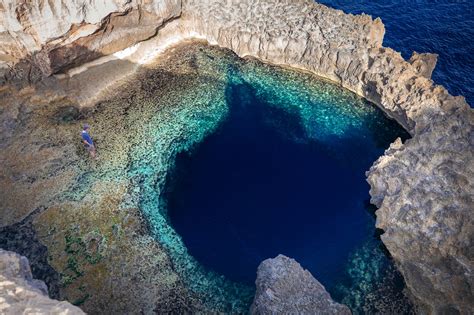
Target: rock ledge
21, 294
284, 287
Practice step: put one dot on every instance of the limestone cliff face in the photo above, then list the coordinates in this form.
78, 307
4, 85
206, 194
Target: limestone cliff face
424, 188
284, 287
42, 37
21, 294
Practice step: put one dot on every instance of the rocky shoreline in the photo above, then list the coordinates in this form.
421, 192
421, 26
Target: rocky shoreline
423, 187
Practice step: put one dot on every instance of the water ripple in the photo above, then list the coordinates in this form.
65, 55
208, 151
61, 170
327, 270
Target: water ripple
444, 27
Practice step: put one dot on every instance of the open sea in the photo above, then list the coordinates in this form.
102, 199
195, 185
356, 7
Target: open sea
443, 27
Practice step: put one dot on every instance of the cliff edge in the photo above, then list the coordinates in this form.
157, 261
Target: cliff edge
21, 294
40, 38
423, 188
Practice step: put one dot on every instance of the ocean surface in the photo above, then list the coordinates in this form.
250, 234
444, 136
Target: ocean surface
443, 27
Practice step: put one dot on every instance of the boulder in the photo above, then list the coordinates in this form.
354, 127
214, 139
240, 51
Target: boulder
284, 287
21, 294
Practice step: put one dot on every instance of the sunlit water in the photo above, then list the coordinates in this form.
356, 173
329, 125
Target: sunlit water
237, 161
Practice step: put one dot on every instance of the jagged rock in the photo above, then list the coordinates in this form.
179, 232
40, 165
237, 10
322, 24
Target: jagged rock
43, 37
423, 188
21, 294
284, 287
424, 63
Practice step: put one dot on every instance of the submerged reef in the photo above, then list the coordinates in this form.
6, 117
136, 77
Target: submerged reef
372, 284
88, 214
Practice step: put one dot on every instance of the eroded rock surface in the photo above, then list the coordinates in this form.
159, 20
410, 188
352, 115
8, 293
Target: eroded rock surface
284, 287
97, 239
42, 37
21, 294
424, 188
424, 191
424, 63
343, 47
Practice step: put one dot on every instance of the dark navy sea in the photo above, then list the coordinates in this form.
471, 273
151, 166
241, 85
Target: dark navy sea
443, 27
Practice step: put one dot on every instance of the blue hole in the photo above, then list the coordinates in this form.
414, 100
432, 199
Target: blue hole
284, 173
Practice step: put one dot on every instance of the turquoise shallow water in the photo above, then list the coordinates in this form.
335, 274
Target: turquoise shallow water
246, 161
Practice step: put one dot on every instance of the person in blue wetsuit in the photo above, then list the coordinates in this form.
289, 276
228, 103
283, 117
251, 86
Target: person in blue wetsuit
87, 140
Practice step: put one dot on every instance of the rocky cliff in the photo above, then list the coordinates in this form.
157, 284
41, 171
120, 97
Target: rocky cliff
284, 287
42, 37
21, 294
345, 48
423, 188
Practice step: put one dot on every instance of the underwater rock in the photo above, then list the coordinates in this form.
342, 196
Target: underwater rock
21, 238
284, 287
21, 294
89, 222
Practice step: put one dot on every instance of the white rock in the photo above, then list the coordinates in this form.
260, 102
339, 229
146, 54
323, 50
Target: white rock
21, 294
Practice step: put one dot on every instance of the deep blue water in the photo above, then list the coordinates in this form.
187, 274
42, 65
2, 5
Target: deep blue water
266, 183
445, 27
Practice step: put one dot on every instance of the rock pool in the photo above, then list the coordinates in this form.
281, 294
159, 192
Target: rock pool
268, 161
229, 162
